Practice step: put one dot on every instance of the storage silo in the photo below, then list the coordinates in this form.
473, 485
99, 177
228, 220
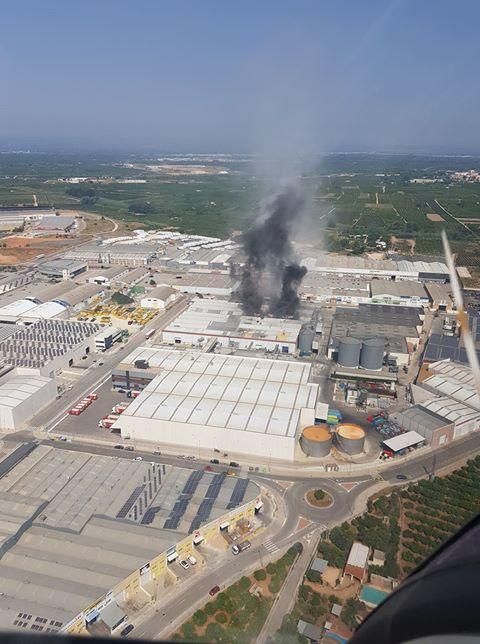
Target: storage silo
371, 356
305, 339
350, 438
349, 352
316, 440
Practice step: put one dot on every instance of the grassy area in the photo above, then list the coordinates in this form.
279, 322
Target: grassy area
238, 613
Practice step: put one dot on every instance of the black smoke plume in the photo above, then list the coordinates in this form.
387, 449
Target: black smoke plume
287, 304
269, 253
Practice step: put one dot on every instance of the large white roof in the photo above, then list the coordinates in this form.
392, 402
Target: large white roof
45, 311
17, 308
16, 390
402, 441
231, 392
220, 318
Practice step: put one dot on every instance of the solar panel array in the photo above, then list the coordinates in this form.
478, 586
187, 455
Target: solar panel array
192, 483
177, 512
42, 342
127, 506
205, 507
149, 515
238, 493
441, 347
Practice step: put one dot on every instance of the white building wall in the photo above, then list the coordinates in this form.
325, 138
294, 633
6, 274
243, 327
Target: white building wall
195, 437
12, 418
157, 303
171, 337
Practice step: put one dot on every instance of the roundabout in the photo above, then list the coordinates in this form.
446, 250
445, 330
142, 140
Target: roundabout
318, 498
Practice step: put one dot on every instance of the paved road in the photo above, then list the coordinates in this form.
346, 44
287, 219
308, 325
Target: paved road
96, 375
286, 597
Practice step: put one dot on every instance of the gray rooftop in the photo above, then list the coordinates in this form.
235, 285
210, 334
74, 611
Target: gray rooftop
74, 525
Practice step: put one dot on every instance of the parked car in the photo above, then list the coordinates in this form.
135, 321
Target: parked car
215, 461
401, 477
118, 447
191, 560
213, 591
128, 629
129, 448
185, 564
137, 458
233, 464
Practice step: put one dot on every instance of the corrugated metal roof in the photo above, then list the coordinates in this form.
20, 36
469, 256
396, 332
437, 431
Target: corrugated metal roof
247, 394
17, 389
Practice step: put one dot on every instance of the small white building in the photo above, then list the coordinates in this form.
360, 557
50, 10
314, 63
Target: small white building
22, 396
159, 297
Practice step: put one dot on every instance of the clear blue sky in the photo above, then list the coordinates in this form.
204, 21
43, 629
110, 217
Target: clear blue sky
254, 75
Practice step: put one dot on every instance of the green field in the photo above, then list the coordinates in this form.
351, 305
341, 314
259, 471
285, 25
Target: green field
342, 197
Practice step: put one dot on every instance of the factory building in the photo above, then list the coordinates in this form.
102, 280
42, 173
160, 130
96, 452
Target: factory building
436, 429
159, 297
224, 322
402, 293
330, 288
107, 337
62, 269
369, 268
27, 311
108, 276
48, 346
81, 296
456, 380
202, 401
358, 333
200, 282
132, 255
440, 297
82, 534
16, 216
22, 396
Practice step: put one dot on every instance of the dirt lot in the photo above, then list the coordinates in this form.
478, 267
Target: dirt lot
18, 250
433, 216
346, 589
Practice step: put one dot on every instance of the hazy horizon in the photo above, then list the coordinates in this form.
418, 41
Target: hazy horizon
267, 79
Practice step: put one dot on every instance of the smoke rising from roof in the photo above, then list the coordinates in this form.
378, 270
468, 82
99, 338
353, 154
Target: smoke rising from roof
269, 270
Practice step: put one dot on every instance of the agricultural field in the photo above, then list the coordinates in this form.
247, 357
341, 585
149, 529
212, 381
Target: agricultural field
432, 511
369, 196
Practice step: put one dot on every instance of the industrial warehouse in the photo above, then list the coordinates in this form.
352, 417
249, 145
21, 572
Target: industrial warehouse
205, 320
85, 532
237, 404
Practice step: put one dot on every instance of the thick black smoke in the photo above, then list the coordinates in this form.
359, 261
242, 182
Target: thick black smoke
287, 304
269, 252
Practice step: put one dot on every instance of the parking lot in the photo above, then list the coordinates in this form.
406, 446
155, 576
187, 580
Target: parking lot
86, 424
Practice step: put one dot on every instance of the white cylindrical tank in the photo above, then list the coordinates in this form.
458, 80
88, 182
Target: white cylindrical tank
371, 356
349, 352
316, 440
350, 438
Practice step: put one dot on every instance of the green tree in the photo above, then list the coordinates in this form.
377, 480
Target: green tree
319, 494
199, 618
221, 618
244, 583
260, 575
121, 299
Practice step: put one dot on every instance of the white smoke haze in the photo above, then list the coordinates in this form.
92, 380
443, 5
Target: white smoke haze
285, 119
